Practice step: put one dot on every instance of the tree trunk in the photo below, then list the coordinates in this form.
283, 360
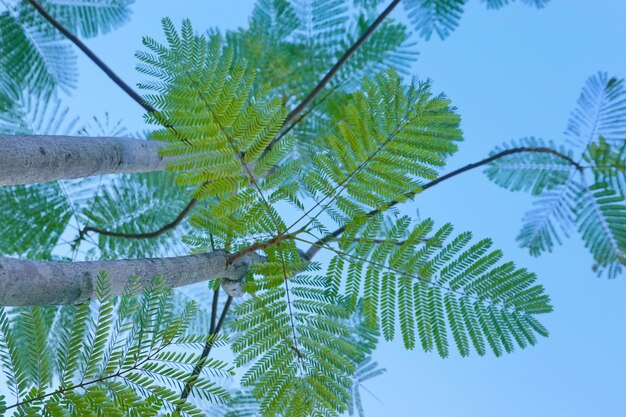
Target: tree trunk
32, 159
24, 282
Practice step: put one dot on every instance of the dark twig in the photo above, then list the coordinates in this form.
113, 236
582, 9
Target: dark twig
146, 235
205, 352
94, 58
312, 251
335, 69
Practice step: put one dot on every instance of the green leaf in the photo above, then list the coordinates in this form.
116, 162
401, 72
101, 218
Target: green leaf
440, 286
602, 225
86, 19
35, 56
439, 16
599, 112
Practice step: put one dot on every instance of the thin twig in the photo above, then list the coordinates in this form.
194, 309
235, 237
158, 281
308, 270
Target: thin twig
94, 58
146, 235
334, 70
312, 251
205, 352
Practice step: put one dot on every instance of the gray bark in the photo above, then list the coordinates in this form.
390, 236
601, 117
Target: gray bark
25, 282
32, 159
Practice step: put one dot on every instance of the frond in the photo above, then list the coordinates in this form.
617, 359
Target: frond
32, 113
551, 219
384, 140
388, 47
24, 205
530, 171
429, 287
434, 16
111, 357
301, 348
443, 16
33, 55
219, 128
600, 219
85, 19
599, 112
134, 204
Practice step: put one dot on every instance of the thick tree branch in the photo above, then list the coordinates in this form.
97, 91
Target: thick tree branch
25, 282
32, 159
94, 58
312, 251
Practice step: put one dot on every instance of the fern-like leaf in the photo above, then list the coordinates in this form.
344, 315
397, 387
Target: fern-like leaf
112, 357
599, 112
440, 287
602, 227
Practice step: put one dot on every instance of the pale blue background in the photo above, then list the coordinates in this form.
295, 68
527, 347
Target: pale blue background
512, 73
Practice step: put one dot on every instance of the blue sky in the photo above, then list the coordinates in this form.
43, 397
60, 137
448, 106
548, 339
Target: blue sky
512, 73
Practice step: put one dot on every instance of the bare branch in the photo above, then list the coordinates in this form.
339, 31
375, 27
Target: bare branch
94, 58
312, 251
25, 282
146, 235
334, 70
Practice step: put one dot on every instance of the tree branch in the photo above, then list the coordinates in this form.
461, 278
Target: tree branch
312, 251
25, 282
146, 235
32, 159
334, 70
94, 58
206, 351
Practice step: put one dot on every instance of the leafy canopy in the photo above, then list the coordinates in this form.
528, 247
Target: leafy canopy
331, 180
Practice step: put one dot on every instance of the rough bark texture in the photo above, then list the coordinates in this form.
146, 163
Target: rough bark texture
24, 282
31, 159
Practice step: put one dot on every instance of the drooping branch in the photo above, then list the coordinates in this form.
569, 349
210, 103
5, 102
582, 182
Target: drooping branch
330, 237
25, 282
93, 57
146, 235
32, 159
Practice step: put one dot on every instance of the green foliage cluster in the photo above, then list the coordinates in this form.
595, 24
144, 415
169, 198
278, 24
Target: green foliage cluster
115, 356
587, 195
36, 56
304, 332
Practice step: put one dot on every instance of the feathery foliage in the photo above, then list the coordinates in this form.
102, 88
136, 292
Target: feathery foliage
565, 201
219, 122
385, 139
110, 357
304, 333
443, 16
302, 348
35, 55
426, 285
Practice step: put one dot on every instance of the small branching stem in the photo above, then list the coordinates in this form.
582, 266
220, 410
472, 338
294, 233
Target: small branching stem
315, 247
